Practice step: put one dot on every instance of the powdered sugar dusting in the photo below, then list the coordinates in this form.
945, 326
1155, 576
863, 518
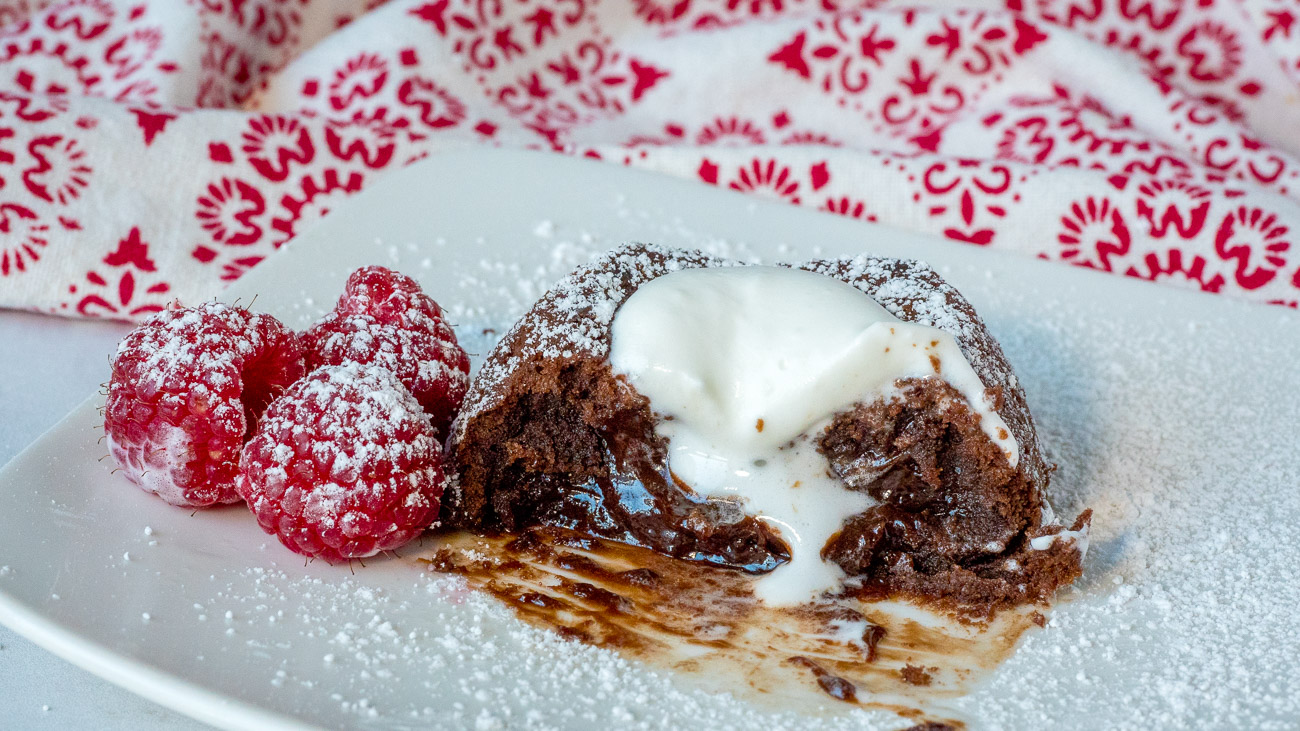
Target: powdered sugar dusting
1177, 426
185, 387
362, 433
478, 667
1185, 612
345, 464
384, 318
1174, 622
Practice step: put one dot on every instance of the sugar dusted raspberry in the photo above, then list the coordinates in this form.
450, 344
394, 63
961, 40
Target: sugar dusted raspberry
383, 318
392, 298
344, 465
185, 392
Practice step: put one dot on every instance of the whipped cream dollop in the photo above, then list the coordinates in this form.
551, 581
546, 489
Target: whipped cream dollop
746, 366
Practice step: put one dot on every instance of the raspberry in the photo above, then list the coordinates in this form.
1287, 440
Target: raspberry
383, 318
344, 465
186, 389
392, 298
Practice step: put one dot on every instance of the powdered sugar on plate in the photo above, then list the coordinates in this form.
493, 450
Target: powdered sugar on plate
436, 653
1183, 612
1182, 440
1186, 605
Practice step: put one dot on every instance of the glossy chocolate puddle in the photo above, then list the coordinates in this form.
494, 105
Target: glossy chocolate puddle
705, 626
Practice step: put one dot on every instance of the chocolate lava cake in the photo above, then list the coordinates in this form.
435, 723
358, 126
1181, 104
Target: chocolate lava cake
550, 435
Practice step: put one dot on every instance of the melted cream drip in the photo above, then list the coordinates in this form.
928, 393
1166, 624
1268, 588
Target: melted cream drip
747, 365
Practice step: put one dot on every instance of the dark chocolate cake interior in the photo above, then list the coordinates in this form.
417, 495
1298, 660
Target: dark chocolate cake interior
550, 436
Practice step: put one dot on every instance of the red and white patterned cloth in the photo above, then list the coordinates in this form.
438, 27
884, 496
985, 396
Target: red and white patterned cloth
154, 149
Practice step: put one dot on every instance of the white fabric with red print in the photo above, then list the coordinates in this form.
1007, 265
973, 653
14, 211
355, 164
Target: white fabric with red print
153, 149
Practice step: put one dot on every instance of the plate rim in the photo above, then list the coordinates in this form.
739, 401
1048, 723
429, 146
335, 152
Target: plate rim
164, 688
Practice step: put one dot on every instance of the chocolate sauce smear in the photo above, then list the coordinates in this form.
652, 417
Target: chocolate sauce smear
704, 624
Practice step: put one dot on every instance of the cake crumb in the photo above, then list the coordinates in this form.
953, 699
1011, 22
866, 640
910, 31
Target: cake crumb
916, 675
